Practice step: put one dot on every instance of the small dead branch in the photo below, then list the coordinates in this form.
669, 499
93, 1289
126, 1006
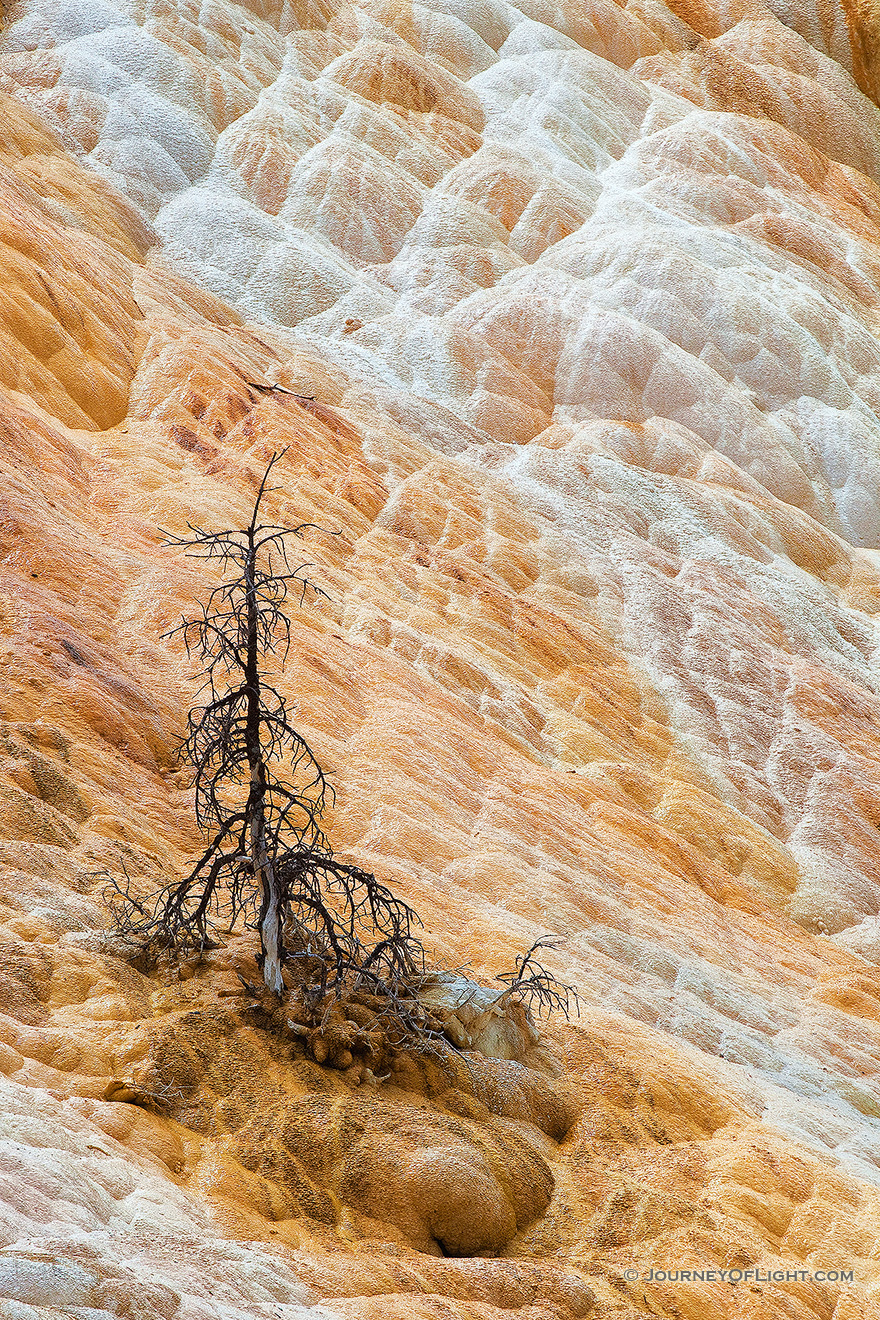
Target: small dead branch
537, 989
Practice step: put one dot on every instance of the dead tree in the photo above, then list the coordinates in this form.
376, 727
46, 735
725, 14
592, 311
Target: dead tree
330, 934
259, 796
539, 991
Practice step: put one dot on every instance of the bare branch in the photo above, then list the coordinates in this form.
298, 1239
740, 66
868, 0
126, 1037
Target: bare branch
535, 987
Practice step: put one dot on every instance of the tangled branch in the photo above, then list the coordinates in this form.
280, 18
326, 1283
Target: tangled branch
536, 988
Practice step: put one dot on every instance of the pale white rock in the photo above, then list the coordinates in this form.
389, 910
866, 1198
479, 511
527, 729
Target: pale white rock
83, 1223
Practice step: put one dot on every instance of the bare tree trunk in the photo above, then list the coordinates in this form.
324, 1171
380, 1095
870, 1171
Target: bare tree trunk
270, 911
261, 860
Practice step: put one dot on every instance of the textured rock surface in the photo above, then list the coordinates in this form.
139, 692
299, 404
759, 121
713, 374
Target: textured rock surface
579, 305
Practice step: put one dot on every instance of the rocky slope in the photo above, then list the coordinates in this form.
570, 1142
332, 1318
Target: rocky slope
578, 305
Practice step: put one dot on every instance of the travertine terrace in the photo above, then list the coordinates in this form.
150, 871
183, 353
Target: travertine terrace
578, 304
